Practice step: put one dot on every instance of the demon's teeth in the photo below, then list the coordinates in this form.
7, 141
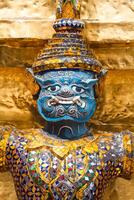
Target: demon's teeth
66, 101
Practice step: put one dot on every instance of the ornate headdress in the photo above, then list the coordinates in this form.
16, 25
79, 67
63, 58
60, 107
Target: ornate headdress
67, 49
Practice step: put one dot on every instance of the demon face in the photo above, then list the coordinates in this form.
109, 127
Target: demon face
66, 95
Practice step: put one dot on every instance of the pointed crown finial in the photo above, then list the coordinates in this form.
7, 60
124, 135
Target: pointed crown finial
68, 15
68, 9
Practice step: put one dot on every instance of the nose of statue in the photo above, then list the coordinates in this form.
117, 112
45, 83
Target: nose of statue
65, 92
66, 107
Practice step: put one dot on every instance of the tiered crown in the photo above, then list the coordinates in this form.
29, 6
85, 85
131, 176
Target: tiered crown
67, 49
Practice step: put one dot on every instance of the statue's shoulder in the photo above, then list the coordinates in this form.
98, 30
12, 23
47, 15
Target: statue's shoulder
120, 144
128, 159
29, 138
5, 132
114, 135
123, 140
27, 134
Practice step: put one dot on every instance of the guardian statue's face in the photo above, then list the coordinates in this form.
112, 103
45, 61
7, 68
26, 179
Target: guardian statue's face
66, 95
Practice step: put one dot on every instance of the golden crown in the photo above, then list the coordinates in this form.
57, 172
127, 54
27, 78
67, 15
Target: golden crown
67, 49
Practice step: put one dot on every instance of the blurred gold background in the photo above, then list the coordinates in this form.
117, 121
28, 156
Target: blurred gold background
25, 27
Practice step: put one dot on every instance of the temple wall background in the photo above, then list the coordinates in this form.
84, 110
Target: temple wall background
25, 27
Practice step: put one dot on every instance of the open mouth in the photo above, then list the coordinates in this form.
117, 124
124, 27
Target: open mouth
56, 100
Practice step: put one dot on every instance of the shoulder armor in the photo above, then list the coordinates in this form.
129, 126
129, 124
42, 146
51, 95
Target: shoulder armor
128, 160
4, 135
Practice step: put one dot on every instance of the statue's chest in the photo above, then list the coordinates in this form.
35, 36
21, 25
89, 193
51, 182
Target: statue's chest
74, 170
63, 175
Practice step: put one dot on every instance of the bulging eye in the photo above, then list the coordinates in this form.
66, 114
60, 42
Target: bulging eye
77, 89
53, 88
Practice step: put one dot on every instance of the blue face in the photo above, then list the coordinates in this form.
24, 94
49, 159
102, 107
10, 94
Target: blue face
66, 95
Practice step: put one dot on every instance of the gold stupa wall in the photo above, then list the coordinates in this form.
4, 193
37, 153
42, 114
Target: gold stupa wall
25, 27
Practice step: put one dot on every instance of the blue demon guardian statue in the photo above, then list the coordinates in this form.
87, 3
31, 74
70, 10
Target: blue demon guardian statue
65, 160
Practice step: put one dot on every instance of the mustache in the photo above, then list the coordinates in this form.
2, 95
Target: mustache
60, 111
57, 100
